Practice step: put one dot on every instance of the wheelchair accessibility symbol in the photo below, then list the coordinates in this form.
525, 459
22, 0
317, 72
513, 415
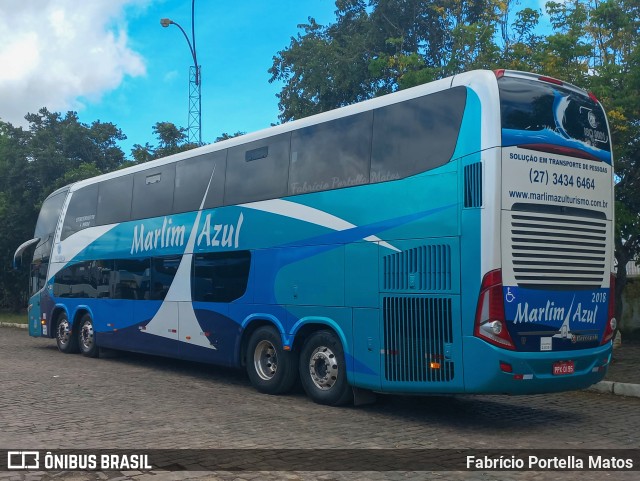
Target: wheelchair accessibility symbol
509, 297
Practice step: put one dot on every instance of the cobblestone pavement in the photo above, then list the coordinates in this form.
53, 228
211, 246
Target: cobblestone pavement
53, 401
625, 364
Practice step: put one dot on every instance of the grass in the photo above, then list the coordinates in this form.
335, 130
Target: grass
10, 316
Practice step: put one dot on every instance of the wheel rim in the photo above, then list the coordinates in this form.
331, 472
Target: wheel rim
265, 360
64, 333
323, 367
86, 336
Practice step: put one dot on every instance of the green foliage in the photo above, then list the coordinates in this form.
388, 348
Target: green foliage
171, 140
56, 150
226, 136
380, 46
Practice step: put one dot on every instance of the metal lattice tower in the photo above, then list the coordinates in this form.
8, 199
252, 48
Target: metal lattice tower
195, 105
194, 121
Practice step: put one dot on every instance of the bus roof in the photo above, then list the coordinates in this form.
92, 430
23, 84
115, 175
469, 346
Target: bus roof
363, 106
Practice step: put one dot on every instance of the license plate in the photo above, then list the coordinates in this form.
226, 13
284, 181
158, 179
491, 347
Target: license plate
563, 367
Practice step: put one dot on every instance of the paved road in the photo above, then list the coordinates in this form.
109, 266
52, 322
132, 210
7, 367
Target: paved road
53, 401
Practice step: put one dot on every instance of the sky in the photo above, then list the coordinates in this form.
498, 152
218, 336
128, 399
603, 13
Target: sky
112, 61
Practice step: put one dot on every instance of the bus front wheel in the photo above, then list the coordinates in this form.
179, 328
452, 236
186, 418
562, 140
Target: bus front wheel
271, 369
86, 337
323, 369
66, 337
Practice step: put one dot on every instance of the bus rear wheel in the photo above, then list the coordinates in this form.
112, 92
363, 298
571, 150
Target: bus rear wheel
86, 337
323, 369
271, 369
66, 337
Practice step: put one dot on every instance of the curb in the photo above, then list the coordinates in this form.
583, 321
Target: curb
14, 324
619, 388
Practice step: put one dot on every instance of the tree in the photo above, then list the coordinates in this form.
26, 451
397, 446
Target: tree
56, 150
226, 136
378, 47
171, 140
16, 210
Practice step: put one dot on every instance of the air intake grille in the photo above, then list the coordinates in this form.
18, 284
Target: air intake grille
423, 268
416, 333
552, 250
473, 185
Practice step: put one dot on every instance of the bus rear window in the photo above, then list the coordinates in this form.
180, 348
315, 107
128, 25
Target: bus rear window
537, 113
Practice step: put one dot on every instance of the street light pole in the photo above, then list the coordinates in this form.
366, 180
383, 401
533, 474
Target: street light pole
195, 84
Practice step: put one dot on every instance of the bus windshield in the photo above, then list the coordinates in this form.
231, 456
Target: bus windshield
49, 215
552, 118
47, 221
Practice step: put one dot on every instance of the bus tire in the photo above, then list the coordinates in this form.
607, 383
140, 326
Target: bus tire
323, 371
271, 369
66, 336
86, 337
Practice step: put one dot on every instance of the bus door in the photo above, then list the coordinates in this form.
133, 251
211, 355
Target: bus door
37, 280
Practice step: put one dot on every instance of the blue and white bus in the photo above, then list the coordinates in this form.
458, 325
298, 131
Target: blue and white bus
456, 237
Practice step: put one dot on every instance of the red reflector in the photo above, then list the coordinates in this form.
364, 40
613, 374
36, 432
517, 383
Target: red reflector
593, 97
505, 367
518, 377
550, 80
499, 73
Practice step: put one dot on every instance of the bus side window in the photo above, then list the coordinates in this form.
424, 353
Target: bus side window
153, 192
114, 200
130, 279
417, 135
331, 155
163, 270
192, 179
74, 281
252, 175
101, 276
220, 276
81, 212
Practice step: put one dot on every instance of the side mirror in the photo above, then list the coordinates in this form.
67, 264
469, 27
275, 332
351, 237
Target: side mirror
17, 257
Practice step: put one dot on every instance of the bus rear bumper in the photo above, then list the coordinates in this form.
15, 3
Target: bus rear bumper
530, 372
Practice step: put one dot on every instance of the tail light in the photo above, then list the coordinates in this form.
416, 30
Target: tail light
612, 323
490, 323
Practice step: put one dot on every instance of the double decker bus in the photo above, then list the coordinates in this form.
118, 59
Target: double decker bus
455, 237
